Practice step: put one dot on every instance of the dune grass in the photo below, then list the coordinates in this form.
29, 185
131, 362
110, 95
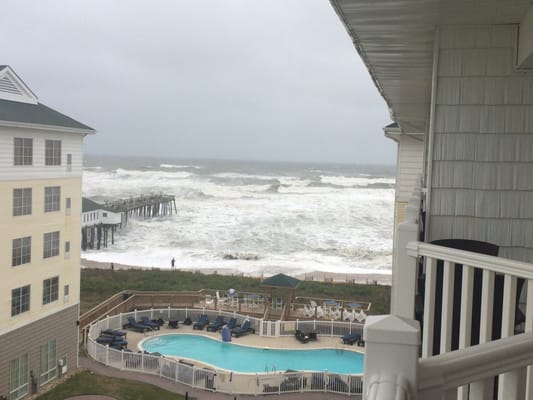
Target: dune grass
86, 383
99, 284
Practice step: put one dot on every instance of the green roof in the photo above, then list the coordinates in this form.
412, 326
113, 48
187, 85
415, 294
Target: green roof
281, 280
14, 111
89, 205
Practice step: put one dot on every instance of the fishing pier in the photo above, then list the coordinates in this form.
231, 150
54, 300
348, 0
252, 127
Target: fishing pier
100, 221
143, 207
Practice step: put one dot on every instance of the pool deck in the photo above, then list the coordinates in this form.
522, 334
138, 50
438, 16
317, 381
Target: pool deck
283, 342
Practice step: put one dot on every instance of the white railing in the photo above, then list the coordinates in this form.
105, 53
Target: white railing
270, 382
455, 362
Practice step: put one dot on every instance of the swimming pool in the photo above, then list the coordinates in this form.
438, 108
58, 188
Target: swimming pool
253, 359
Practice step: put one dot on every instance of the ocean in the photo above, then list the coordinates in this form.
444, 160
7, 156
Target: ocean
256, 218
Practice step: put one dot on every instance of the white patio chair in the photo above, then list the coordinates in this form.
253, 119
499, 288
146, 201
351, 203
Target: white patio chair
221, 300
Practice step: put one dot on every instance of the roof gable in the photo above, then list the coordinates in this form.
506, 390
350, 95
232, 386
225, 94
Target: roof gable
13, 88
88, 205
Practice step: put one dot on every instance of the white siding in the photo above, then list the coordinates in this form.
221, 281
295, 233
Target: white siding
482, 183
410, 157
71, 143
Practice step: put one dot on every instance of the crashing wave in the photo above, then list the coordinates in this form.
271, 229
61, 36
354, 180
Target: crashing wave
240, 256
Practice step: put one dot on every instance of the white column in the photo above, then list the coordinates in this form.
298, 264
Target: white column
508, 382
391, 357
429, 307
404, 269
483, 389
447, 307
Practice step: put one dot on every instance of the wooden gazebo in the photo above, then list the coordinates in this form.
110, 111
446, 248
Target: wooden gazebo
282, 287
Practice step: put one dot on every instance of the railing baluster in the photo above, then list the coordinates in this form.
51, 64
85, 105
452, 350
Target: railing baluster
429, 307
529, 328
465, 326
483, 389
508, 382
447, 307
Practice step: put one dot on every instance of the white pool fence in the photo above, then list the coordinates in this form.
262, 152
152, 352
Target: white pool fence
269, 382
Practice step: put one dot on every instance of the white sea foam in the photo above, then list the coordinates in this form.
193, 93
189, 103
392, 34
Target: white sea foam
264, 224
179, 166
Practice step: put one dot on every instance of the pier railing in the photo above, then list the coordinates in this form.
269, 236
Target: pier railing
199, 376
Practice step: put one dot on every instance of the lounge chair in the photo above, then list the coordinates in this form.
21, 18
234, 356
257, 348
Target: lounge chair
146, 321
232, 323
351, 338
302, 337
218, 324
201, 323
113, 333
173, 323
138, 326
187, 321
112, 341
243, 330
312, 336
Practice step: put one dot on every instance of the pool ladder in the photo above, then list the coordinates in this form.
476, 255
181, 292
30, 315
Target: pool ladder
273, 369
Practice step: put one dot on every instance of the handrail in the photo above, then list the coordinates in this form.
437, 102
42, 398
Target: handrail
461, 367
496, 264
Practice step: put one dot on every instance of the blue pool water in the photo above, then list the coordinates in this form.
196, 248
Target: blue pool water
252, 359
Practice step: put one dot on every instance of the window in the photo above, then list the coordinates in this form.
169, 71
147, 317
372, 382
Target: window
68, 205
50, 290
21, 202
52, 152
18, 378
21, 251
52, 198
67, 250
104, 214
69, 162
51, 244
20, 300
48, 362
66, 292
23, 151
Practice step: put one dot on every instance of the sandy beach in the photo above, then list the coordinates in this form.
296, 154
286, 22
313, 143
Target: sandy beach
320, 276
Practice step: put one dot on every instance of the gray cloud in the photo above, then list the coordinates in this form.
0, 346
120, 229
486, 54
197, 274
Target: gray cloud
265, 79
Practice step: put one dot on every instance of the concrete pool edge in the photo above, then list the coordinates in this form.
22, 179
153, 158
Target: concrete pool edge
214, 367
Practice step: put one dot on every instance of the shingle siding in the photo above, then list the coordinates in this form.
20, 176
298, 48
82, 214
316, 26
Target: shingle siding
482, 183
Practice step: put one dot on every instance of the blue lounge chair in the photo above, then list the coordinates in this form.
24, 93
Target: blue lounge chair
138, 326
232, 323
114, 342
113, 333
218, 324
201, 323
351, 338
243, 330
147, 322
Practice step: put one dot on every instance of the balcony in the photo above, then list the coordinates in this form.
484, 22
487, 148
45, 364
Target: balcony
474, 335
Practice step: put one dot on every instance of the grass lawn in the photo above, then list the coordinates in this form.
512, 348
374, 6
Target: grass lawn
121, 389
99, 284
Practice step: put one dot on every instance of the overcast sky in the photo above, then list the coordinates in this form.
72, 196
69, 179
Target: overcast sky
229, 79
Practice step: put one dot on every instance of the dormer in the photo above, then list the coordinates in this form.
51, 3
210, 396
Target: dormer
13, 88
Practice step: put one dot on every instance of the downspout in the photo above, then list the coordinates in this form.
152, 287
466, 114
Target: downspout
431, 133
